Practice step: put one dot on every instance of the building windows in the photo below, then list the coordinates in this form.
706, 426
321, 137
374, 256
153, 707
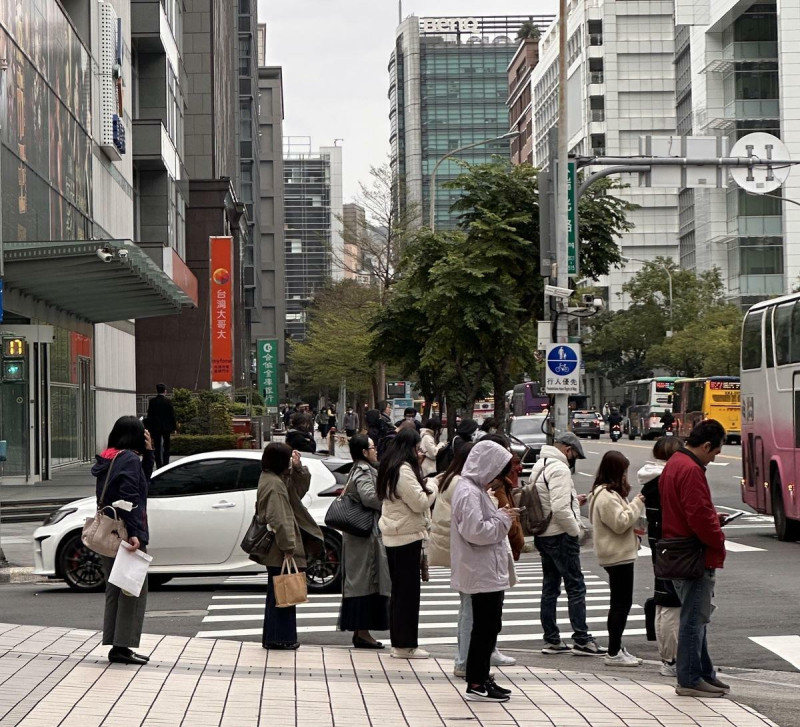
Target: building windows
295, 247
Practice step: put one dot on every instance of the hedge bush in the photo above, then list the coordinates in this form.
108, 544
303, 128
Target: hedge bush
184, 444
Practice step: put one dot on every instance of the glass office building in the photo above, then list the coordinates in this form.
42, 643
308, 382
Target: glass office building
448, 89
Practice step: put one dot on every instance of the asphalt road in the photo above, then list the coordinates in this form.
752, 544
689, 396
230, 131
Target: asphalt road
758, 596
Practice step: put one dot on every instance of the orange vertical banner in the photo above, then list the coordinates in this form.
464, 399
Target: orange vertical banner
221, 301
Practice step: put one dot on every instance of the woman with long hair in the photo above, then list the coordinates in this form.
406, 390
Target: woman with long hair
404, 524
366, 585
614, 520
123, 472
283, 483
430, 445
667, 604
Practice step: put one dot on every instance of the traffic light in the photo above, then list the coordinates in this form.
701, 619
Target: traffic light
14, 351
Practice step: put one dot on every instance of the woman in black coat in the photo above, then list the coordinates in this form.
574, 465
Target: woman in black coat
124, 470
300, 436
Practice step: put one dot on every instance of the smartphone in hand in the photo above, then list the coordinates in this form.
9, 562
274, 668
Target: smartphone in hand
733, 516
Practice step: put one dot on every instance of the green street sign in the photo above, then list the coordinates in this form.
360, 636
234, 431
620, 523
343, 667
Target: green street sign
572, 223
267, 353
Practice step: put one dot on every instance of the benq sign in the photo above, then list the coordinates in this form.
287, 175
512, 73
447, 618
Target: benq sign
443, 25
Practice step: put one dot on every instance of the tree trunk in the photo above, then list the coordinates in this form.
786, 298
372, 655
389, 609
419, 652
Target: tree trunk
380, 382
499, 379
451, 420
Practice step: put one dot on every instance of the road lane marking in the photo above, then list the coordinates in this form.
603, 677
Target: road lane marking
787, 647
730, 546
719, 464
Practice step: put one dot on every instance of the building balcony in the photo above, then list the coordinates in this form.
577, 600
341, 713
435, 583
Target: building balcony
151, 31
153, 149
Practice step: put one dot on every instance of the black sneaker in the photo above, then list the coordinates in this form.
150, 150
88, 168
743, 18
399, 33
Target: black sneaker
500, 689
487, 692
590, 648
559, 648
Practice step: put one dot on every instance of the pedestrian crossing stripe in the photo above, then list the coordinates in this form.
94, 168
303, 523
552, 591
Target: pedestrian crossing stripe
786, 647
730, 545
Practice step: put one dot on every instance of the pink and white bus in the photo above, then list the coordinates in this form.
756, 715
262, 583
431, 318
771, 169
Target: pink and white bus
770, 396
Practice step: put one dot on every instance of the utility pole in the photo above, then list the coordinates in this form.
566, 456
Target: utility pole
559, 415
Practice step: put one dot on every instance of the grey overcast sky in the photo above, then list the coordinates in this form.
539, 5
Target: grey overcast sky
335, 54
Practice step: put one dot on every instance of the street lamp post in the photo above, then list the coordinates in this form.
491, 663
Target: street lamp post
432, 212
666, 269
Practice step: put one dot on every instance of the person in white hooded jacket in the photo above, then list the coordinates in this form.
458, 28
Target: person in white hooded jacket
479, 557
559, 546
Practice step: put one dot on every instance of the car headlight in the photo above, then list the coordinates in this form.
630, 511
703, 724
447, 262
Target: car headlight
58, 515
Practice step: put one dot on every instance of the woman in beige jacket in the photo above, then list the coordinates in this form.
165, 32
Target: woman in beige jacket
405, 522
281, 487
616, 544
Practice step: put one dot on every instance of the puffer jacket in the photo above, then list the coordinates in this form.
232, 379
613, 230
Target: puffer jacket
438, 547
558, 495
430, 448
479, 553
406, 518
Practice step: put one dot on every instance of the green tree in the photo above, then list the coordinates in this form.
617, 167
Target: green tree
529, 30
338, 341
491, 283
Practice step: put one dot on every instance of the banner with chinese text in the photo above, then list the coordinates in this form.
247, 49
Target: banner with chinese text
221, 300
268, 371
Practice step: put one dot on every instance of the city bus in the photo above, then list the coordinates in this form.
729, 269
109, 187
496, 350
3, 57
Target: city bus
711, 397
646, 401
770, 397
528, 398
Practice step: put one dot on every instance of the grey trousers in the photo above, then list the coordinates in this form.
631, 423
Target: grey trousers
124, 615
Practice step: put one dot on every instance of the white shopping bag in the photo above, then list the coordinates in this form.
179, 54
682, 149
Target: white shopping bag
130, 569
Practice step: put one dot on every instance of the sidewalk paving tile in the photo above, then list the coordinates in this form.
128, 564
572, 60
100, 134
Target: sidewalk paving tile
56, 676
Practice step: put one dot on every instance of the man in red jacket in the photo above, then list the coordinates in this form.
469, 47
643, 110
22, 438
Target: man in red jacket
687, 511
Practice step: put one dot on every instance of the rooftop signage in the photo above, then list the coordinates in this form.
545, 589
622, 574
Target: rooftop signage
444, 25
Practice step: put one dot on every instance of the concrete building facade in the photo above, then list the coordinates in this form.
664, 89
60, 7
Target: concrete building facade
313, 223
448, 87
738, 72
519, 102
620, 86
71, 200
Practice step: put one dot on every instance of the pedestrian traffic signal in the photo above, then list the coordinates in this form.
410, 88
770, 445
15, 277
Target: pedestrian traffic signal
13, 347
13, 370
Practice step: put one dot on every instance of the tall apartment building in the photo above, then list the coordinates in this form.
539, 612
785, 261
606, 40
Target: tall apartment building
313, 223
90, 150
738, 72
270, 251
448, 87
520, 102
621, 85
355, 231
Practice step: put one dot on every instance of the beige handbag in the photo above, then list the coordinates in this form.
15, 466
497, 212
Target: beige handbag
290, 587
102, 533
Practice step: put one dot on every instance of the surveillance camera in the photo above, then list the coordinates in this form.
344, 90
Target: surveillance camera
123, 254
555, 292
104, 254
587, 299
598, 303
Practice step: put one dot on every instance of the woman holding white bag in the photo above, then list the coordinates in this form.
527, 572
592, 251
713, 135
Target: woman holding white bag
123, 472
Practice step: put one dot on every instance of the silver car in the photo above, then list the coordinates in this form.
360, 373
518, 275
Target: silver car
527, 437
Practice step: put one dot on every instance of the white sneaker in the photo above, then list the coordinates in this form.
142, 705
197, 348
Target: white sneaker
668, 669
409, 653
499, 659
623, 658
461, 673
632, 656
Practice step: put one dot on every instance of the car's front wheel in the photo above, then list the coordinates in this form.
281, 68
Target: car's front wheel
324, 571
80, 567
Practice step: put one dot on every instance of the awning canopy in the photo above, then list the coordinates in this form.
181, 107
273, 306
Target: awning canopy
96, 280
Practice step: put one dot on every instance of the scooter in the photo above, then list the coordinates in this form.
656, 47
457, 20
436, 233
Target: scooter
669, 431
616, 433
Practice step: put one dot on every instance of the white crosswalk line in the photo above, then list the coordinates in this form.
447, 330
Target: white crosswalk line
787, 647
730, 545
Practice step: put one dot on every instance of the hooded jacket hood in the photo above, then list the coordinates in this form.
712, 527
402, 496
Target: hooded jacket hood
485, 462
650, 471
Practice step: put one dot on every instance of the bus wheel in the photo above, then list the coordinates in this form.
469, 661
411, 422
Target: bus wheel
786, 528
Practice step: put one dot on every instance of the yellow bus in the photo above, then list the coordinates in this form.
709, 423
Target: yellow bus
711, 397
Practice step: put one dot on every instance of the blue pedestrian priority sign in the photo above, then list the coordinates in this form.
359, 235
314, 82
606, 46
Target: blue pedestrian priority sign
563, 368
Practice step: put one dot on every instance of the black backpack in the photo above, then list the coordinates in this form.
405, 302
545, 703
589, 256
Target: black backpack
444, 457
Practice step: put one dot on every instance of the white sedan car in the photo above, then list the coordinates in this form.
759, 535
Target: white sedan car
198, 510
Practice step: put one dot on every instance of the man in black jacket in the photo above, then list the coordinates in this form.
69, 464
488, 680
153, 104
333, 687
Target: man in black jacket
161, 423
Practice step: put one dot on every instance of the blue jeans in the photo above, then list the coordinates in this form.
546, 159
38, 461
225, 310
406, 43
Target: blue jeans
561, 559
694, 663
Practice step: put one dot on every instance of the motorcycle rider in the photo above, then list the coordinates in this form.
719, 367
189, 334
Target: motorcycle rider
614, 418
667, 420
